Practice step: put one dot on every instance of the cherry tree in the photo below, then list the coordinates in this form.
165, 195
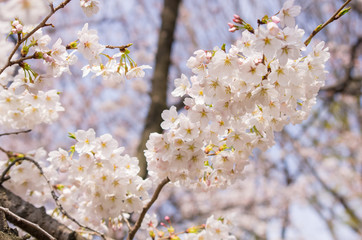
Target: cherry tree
235, 99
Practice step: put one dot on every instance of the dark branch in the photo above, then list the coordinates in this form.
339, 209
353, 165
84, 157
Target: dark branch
23, 222
32, 214
135, 228
159, 81
15, 133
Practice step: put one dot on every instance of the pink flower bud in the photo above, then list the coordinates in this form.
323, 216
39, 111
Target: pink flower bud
14, 23
236, 16
48, 58
258, 60
233, 29
237, 19
275, 19
19, 28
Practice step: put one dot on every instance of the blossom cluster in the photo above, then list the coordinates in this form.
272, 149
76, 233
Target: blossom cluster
24, 102
116, 69
101, 183
26, 179
25, 110
236, 100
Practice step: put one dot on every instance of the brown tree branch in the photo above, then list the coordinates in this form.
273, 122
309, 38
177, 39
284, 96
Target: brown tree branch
159, 81
15, 133
29, 212
23, 222
54, 195
6, 233
135, 228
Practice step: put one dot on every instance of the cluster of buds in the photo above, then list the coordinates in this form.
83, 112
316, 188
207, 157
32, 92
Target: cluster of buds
270, 22
243, 25
17, 27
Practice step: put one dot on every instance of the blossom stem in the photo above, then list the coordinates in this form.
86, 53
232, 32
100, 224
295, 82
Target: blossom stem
137, 225
331, 19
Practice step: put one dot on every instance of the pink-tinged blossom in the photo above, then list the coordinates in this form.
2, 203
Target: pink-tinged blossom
182, 84
187, 130
288, 13
89, 7
252, 73
106, 144
89, 45
275, 19
170, 118
266, 43
150, 222
246, 44
137, 72
216, 229
222, 63
86, 140
281, 74
60, 159
198, 63
273, 28
200, 114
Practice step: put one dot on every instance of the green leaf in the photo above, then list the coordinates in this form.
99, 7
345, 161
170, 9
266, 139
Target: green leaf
72, 150
318, 28
265, 19
71, 135
223, 47
343, 11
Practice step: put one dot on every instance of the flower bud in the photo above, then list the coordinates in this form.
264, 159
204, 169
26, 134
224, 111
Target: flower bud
273, 28
19, 28
275, 19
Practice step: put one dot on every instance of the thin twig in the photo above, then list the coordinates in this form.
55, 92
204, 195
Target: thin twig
121, 48
21, 60
135, 228
127, 222
14, 133
45, 234
8, 153
320, 27
40, 25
